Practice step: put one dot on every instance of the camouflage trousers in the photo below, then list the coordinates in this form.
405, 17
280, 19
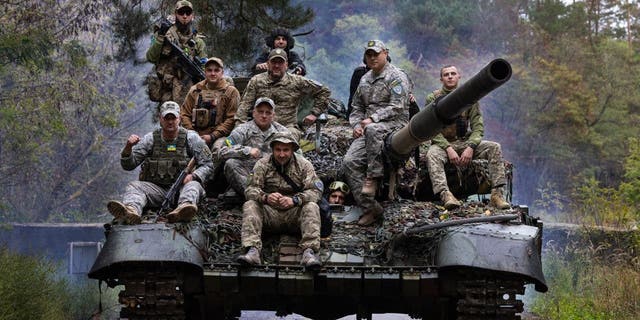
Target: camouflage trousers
488, 150
257, 217
175, 89
143, 194
237, 173
364, 159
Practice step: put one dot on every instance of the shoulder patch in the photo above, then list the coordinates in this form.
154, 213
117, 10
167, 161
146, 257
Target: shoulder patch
397, 88
319, 185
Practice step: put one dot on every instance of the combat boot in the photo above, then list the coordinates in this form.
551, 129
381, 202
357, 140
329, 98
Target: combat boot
309, 259
183, 213
372, 215
370, 186
125, 213
252, 257
497, 199
450, 202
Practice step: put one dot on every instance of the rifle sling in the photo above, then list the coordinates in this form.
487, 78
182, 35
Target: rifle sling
286, 178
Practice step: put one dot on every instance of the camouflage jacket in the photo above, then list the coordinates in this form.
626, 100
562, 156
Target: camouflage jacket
287, 93
246, 136
382, 97
159, 53
472, 121
195, 147
224, 97
265, 180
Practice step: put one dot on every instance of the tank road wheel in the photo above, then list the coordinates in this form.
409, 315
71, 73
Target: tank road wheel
489, 298
152, 294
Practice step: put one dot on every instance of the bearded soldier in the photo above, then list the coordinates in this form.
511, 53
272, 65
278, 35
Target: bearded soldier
211, 105
163, 153
173, 82
282, 195
461, 142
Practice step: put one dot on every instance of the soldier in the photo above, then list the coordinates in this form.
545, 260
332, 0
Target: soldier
380, 106
287, 91
281, 38
248, 142
338, 192
211, 105
163, 153
282, 195
173, 83
459, 143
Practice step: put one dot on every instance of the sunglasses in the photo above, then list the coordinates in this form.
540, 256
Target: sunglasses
340, 186
183, 12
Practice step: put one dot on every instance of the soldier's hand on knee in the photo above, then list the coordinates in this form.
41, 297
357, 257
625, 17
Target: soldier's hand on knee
466, 156
255, 153
357, 132
286, 202
206, 138
364, 123
453, 156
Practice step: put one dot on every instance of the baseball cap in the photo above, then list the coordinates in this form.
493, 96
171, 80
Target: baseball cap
264, 100
284, 137
278, 53
170, 107
215, 60
375, 45
183, 3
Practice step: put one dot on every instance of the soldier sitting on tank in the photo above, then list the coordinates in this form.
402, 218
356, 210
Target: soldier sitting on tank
211, 105
287, 91
282, 196
173, 82
247, 143
281, 38
380, 106
461, 142
163, 153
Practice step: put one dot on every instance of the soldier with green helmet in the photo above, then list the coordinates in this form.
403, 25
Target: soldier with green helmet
173, 83
163, 153
461, 142
287, 91
282, 195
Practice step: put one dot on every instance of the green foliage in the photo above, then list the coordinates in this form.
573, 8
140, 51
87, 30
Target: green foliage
600, 206
631, 186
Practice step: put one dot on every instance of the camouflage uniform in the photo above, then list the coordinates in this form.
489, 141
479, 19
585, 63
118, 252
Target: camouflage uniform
384, 99
158, 177
304, 218
235, 151
471, 127
287, 93
174, 82
221, 101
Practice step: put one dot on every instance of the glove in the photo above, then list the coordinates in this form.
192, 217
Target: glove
164, 27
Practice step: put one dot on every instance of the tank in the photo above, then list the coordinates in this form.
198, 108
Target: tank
470, 263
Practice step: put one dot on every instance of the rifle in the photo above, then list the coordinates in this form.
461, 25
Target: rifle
413, 110
188, 65
175, 187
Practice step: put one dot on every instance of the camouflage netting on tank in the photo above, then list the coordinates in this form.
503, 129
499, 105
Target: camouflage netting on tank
382, 244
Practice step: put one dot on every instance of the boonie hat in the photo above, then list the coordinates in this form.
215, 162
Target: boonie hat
183, 3
278, 53
284, 137
215, 60
264, 100
375, 45
170, 107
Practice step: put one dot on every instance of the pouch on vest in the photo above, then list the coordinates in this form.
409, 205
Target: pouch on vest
154, 87
200, 118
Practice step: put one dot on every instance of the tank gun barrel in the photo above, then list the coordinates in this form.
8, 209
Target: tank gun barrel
431, 120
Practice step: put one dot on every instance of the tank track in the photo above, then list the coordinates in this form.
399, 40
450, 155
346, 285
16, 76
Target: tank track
152, 293
489, 298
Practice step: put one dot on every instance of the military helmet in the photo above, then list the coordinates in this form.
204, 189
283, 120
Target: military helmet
284, 137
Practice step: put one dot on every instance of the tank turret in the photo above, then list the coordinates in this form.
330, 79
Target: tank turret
431, 120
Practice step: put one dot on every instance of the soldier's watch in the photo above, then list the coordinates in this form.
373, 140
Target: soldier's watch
296, 200
472, 146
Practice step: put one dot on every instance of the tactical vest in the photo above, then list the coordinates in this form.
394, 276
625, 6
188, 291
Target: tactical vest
206, 111
459, 129
171, 66
167, 159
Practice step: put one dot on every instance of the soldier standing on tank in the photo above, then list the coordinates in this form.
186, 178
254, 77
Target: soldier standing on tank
380, 106
163, 153
210, 106
248, 142
282, 196
287, 91
281, 38
461, 142
173, 83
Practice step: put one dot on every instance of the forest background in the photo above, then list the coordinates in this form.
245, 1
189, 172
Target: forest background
72, 89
